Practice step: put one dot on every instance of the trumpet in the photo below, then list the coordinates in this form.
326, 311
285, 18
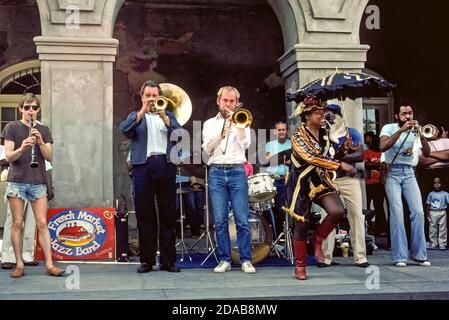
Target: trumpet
160, 103
33, 163
428, 131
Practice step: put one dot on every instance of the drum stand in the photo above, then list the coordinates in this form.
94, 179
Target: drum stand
210, 245
285, 235
182, 242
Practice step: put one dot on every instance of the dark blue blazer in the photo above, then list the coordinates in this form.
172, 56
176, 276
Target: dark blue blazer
138, 134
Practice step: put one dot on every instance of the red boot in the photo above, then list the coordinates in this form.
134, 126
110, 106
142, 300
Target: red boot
321, 233
300, 248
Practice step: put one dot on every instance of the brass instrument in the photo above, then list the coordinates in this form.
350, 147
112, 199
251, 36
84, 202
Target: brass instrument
175, 100
429, 131
242, 118
161, 103
33, 163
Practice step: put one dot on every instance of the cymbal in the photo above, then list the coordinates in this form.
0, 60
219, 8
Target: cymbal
191, 170
278, 158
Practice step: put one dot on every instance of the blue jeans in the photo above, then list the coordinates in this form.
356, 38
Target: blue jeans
401, 180
225, 184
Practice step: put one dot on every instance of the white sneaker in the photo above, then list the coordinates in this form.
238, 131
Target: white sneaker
425, 263
223, 266
400, 264
247, 267
422, 263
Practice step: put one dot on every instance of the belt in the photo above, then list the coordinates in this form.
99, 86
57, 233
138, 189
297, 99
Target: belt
401, 165
226, 166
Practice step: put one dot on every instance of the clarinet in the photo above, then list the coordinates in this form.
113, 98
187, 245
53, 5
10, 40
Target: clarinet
33, 163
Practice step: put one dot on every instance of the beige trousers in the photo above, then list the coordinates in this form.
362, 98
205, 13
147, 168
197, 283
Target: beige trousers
351, 194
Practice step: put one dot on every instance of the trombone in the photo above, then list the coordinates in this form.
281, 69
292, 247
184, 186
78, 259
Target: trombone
241, 118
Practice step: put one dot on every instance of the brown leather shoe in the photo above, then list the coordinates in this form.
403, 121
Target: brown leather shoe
55, 271
17, 273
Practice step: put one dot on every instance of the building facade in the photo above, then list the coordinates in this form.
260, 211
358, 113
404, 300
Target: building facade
90, 57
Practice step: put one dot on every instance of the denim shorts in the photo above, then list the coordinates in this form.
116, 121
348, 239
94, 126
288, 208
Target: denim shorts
26, 191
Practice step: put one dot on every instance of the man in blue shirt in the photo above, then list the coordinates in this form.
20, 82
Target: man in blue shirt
279, 171
153, 174
398, 141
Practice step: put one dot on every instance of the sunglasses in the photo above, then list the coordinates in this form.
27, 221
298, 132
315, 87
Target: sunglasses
27, 107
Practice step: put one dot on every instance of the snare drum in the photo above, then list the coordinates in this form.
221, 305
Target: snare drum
261, 238
260, 188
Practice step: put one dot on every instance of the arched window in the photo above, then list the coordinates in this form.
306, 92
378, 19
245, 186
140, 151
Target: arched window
14, 82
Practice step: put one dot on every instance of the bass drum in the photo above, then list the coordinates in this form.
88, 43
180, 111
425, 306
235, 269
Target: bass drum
261, 238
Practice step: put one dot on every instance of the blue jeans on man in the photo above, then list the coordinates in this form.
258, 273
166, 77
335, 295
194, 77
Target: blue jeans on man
401, 180
230, 183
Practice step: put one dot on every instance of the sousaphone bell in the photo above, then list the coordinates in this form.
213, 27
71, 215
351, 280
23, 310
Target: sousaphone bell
175, 100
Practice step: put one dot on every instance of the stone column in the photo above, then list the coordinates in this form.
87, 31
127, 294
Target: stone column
307, 62
320, 36
77, 105
77, 53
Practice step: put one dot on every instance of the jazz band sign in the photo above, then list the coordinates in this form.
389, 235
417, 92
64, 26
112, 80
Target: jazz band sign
80, 234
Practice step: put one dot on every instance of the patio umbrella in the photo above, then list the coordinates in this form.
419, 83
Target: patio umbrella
342, 85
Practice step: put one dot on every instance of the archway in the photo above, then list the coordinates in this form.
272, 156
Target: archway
199, 47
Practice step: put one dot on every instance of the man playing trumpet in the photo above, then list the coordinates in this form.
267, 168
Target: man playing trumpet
400, 146
153, 173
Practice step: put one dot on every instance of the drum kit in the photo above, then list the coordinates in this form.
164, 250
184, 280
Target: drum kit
261, 193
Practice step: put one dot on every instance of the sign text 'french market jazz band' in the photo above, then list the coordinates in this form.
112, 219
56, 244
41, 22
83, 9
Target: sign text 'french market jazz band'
80, 234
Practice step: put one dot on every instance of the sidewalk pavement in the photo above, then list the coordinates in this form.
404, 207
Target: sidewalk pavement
346, 281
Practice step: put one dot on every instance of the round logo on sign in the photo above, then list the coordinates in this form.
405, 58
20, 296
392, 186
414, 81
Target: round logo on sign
77, 232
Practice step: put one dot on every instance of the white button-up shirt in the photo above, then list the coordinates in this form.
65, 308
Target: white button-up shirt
157, 134
239, 141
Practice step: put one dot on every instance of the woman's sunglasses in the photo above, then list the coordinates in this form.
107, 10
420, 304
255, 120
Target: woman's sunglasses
27, 107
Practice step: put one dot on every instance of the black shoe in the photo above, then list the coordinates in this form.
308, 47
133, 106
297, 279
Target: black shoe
8, 265
324, 265
362, 265
33, 263
144, 268
170, 268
